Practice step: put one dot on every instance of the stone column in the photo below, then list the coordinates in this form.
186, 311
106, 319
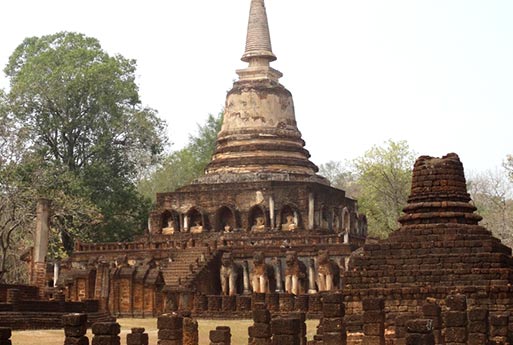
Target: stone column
220, 336
41, 244
75, 328
278, 275
432, 311
311, 277
332, 324
286, 331
373, 321
245, 277
106, 333
271, 213
137, 337
190, 331
478, 326
311, 211
302, 326
170, 329
420, 331
455, 320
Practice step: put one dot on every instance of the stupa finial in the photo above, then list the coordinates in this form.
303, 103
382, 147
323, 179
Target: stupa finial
258, 39
258, 52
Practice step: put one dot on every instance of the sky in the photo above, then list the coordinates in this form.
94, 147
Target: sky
437, 73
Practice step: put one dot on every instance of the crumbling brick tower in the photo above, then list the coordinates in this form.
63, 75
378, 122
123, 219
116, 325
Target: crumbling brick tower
439, 248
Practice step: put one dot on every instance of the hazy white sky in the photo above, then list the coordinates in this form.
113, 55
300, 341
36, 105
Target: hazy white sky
436, 73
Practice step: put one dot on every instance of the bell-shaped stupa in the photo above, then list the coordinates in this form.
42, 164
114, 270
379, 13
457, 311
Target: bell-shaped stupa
259, 138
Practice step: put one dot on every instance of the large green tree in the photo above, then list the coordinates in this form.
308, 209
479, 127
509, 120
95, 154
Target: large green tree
181, 167
380, 180
87, 130
492, 194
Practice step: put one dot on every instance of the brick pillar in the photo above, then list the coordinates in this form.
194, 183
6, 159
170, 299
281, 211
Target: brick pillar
137, 337
170, 329
400, 327
478, 327
220, 336
314, 303
499, 329
302, 326
13, 298
214, 303
286, 331
75, 328
373, 321
228, 303
455, 320
243, 303
190, 331
332, 324
260, 332
5, 336
286, 302
301, 303
420, 332
106, 333
41, 245
200, 303
432, 310
258, 298
273, 301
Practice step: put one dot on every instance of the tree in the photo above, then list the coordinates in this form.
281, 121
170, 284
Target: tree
81, 110
384, 176
492, 193
183, 166
380, 180
341, 175
508, 165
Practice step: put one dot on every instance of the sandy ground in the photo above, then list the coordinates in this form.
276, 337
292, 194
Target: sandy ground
239, 329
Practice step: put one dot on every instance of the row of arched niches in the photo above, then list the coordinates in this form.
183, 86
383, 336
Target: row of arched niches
259, 219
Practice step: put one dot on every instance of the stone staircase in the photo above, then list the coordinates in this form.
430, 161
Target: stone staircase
184, 265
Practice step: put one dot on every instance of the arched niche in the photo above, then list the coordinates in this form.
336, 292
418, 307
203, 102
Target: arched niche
290, 218
170, 222
362, 225
257, 219
326, 218
195, 221
225, 219
346, 224
337, 220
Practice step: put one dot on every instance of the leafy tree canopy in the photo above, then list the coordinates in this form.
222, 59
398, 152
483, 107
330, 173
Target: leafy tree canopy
181, 167
87, 139
380, 180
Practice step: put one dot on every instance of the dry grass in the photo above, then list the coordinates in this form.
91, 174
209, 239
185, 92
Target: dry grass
239, 329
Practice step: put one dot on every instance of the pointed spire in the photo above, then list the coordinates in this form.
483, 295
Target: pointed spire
258, 39
258, 51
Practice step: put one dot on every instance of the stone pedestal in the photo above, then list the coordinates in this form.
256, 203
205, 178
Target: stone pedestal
455, 320
137, 337
170, 329
373, 321
420, 332
75, 328
106, 333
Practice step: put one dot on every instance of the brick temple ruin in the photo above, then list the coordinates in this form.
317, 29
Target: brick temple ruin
261, 228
